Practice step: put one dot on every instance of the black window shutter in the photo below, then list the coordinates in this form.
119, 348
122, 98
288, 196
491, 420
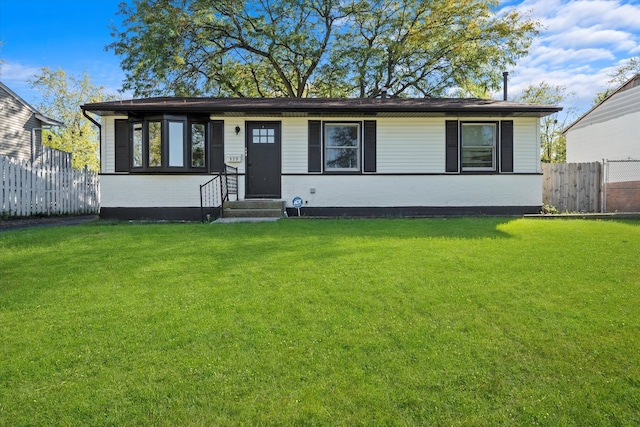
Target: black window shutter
369, 145
216, 145
506, 146
122, 145
315, 146
452, 147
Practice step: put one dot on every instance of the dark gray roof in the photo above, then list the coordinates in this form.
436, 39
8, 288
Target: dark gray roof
321, 106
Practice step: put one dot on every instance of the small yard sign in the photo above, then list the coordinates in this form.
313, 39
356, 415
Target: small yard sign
297, 203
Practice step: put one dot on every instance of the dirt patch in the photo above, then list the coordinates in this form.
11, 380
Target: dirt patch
51, 221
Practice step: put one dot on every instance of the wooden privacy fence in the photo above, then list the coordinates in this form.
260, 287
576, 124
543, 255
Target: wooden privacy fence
49, 187
572, 187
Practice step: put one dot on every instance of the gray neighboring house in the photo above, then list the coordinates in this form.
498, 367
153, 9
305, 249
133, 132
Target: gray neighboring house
610, 129
21, 126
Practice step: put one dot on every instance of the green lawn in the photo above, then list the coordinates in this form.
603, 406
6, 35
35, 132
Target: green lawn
468, 321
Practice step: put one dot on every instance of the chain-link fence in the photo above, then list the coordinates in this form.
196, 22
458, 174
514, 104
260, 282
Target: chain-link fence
621, 189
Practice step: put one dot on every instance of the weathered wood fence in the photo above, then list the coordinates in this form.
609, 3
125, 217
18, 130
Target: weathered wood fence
47, 187
572, 187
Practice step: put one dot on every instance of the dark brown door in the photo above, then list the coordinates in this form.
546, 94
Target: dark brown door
263, 160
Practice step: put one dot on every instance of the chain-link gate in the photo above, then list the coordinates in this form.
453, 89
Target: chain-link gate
621, 189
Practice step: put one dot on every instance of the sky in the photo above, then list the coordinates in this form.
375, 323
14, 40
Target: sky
580, 44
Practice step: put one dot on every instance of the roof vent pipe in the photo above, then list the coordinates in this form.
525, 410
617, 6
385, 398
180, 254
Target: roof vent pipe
505, 77
384, 90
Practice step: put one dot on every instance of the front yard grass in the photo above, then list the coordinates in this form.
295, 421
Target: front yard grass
469, 321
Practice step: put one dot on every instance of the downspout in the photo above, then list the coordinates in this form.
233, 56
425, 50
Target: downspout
99, 126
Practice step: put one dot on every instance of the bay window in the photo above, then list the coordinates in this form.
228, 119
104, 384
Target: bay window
168, 144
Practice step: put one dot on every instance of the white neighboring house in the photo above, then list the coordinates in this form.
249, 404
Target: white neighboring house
21, 126
610, 130
356, 157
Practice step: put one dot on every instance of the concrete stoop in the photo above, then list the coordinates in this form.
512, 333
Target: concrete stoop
254, 209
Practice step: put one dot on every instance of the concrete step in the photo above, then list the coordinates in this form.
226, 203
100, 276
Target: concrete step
236, 220
253, 213
254, 209
254, 204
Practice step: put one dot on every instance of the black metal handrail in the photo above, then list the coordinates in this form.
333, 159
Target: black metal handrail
216, 191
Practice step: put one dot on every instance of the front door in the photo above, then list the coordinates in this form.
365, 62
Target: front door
263, 160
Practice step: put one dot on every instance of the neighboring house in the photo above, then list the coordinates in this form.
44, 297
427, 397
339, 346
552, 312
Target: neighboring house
20, 126
609, 130
371, 157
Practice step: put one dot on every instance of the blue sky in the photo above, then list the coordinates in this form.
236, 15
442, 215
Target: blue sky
581, 43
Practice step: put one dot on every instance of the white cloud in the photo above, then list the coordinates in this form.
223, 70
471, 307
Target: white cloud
579, 46
553, 57
558, 15
578, 37
15, 72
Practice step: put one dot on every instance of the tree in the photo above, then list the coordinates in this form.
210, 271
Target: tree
618, 77
62, 96
552, 142
317, 48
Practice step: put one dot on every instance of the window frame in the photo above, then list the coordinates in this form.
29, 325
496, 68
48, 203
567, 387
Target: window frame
167, 152
358, 147
494, 148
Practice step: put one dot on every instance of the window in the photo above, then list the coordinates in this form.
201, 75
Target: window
479, 147
155, 144
168, 144
478, 142
137, 145
176, 144
342, 146
264, 136
197, 145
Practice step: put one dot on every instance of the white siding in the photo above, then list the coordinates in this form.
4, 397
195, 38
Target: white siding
610, 131
233, 144
526, 145
295, 152
108, 144
406, 145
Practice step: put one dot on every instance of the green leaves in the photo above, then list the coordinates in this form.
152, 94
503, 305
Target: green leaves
62, 96
552, 142
317, 48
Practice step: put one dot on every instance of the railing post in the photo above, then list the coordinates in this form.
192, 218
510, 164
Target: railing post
221, 198
201, 206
